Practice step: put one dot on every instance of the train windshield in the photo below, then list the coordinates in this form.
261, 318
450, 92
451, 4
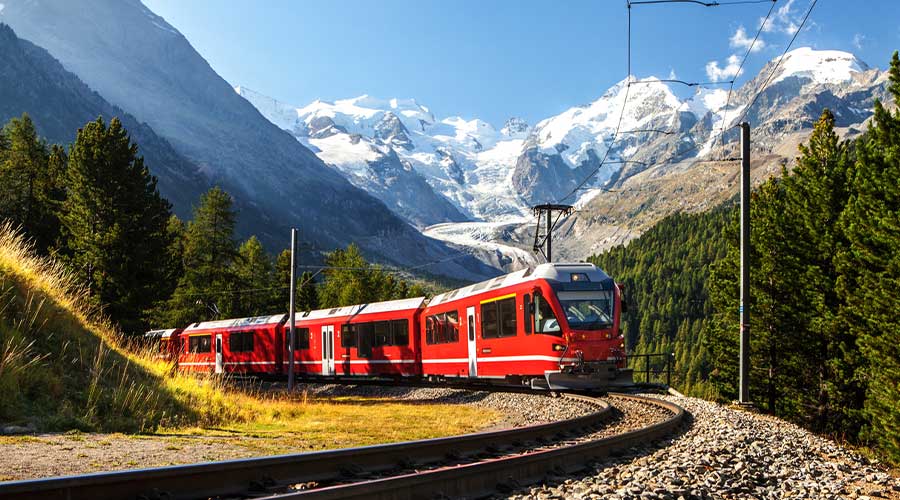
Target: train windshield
587, 310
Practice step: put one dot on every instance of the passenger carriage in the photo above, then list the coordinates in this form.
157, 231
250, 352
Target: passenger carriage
245, 345
368, 339
163, 344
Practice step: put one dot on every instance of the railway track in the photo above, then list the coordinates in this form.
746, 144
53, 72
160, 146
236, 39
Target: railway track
470, 465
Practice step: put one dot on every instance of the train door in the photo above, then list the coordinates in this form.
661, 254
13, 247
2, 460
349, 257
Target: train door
328, 350
220, 362
473, 351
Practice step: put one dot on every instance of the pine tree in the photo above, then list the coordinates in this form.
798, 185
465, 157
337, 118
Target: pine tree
254, 272
818, 192
114, 223
870, 268
209, 286
349, 279
31, 182
306, 297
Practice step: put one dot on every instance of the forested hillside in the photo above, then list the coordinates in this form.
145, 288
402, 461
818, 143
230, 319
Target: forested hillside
666, 274
825, 288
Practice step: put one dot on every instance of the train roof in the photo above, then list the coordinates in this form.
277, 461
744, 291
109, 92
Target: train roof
560, 272
374, 307
236, 323
160, 334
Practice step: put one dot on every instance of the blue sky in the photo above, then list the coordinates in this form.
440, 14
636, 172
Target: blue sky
499, 58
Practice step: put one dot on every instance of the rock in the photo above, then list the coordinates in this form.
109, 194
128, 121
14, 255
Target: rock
11, 430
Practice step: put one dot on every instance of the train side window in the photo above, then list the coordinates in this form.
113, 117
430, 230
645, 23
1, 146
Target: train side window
240, 341
498, 318
301, 338
442, 328
365, 333
451, 327
348, 335
526, 312
200, 343
544, 319
507, 310
429, 330
400, 332
382, 334
489, 325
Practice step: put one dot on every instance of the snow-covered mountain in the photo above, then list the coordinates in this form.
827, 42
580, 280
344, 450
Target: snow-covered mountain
673, 179
492, 177
144, 66
465, 163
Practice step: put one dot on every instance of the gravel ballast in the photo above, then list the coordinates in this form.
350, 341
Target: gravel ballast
518, 409
727, 453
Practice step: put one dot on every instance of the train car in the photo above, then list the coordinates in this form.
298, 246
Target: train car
164, 344
553, 326
377, 339
245, 345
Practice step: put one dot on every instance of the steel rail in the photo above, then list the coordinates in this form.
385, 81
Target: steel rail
229, 477
482, 478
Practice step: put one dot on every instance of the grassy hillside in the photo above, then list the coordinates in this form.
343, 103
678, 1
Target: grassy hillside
63, 367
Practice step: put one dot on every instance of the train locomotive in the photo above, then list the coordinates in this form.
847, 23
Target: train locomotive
554, 326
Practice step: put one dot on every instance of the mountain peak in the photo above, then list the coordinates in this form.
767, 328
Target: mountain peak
820, 66
514, 126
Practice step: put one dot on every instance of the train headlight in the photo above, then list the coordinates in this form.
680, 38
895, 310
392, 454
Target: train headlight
559, 347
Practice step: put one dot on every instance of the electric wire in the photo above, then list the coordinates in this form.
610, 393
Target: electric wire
738, 72
699, 2
618, 123
762, 88
689, 84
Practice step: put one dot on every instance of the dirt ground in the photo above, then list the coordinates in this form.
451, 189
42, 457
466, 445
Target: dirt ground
46, 455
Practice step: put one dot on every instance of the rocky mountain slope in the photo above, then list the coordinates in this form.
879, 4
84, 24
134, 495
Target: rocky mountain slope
463, 162
140, 63
657, 164
32, 82
807, 82
366, 140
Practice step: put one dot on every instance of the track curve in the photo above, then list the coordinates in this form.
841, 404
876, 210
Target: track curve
471, 474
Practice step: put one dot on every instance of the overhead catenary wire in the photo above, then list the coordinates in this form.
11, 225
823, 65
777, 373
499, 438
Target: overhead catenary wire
765, 84
741, 67
319, 270
699, 2
682, 82
621, 114
629, 4
679, 154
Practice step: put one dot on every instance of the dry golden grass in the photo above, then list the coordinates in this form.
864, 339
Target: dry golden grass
64, 366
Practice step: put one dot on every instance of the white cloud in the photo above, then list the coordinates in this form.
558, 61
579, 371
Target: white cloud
858, 40
740, 40
718, 73
783, 20
672, 75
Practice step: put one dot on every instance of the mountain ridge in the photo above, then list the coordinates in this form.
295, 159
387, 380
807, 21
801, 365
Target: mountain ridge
659, 129
140, 63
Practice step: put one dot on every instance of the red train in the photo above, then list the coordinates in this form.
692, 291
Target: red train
552, 326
